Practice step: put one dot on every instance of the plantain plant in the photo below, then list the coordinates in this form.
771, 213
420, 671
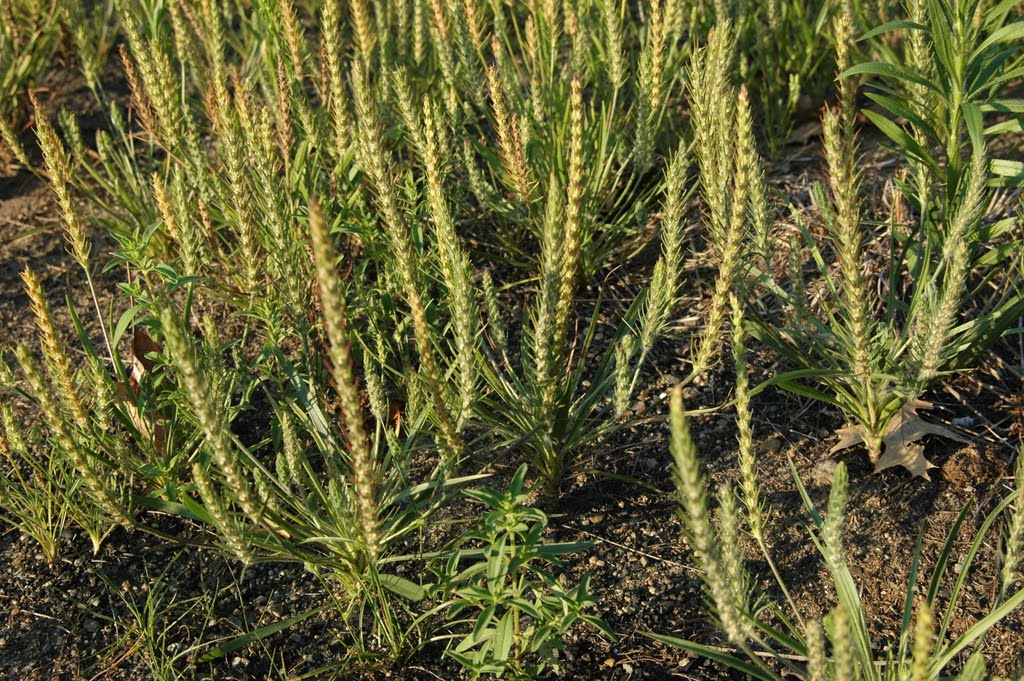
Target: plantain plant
329, 220
945, 293
771, 640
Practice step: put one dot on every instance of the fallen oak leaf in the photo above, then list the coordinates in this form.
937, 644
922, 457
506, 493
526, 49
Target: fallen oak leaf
910, 455
142, 344
908, 427
900, 445
151, 429
849, 436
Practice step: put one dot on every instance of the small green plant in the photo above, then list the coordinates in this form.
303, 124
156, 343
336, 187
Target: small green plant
771, 640
958, 59
150, 625
515, 606
33, 488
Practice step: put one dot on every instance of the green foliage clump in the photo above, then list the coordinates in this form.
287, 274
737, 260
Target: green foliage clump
516, 606
366, 248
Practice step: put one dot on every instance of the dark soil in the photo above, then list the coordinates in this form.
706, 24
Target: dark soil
73, 620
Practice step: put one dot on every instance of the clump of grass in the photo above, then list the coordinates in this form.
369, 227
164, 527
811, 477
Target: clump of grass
28, 38
35, 488
730, 177
882, 340
332, 224
771, 639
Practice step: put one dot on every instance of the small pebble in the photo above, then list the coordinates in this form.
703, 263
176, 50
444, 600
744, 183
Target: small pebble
91, 625
772, 445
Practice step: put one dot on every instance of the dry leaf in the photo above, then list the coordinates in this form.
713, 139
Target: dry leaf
900, 445
141, 345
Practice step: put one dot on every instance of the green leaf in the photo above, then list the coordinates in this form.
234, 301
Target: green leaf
189, 509
996, 15
124, 321
257, 634
903, 139
486, 496
973, 121
1006, 167
600, 625
526, 606
1010, 32
483, 620
516, 484
806, 391
1004, 106
978, 630
902, 108
892, 26
474, 640
908, 601
563, 548
746, 668
503, 637
497, 565
403, 587
896, 71
1009, 126
1004, 77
